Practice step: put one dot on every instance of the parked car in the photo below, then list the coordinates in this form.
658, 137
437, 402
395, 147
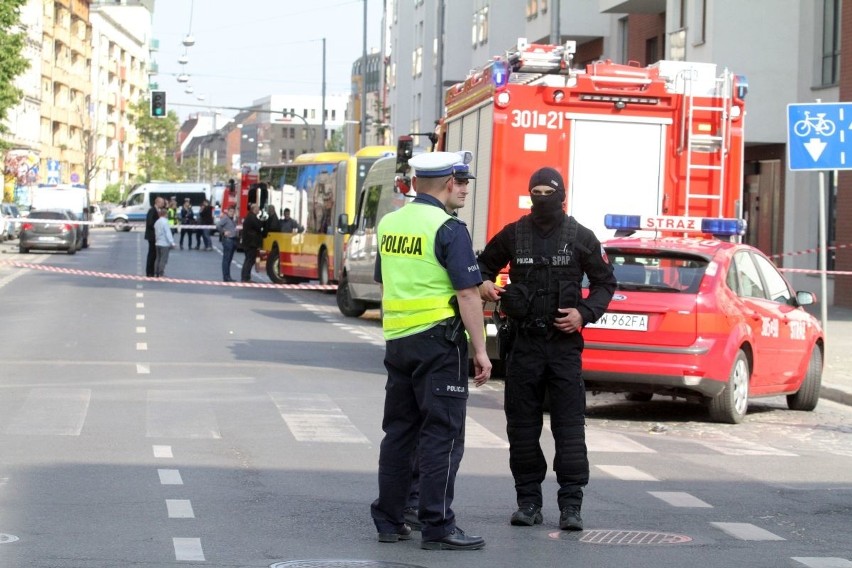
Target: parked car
12, 216
705, 319
50, 229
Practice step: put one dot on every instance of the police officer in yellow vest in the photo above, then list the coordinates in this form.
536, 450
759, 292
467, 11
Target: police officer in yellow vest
430, 296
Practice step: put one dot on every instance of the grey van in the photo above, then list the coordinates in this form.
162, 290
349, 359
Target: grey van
357, 291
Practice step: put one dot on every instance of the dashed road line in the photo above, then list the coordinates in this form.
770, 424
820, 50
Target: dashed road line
626, 473
163, 452
823, 562
141, 347
170, 477
143, 369
179, 509
680, 499
188, 549
746, 531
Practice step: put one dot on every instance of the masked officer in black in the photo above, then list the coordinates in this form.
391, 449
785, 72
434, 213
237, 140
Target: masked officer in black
548, 253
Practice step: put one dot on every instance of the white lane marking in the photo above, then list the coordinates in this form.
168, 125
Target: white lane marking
626, 472
179, 509
316, 418
140, 329
163, 452
170, 477
140, 305
140, 317
3, 481
729, 445
140, 295
143, 369
141, 347
52, 412
601, 441
746, 531
139, 286
477, 436
180, 414
188, 549
823, 562
680, 499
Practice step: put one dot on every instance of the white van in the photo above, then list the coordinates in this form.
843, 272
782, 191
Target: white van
135, 208
357, 291
74, 198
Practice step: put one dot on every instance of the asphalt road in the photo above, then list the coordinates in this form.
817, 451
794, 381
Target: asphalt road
153, 424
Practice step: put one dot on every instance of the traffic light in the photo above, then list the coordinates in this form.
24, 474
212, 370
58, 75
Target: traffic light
158, 103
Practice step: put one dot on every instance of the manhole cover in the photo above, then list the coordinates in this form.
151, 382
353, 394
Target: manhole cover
625, 538
4, 538
341, 564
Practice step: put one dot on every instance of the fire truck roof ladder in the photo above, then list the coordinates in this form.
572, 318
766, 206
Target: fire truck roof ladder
717, 142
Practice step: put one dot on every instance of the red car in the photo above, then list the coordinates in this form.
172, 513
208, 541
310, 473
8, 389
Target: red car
706, 319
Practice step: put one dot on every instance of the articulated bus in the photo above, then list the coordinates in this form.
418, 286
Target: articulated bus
316, 188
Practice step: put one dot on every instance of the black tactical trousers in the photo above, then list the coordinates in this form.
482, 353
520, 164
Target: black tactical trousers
425, 406
537, 364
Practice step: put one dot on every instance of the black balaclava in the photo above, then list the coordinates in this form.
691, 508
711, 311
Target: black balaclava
547, 213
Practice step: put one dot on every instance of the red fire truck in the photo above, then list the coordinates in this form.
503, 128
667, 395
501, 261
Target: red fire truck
665, 139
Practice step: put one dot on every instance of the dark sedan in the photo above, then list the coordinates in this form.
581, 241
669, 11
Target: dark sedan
49, 230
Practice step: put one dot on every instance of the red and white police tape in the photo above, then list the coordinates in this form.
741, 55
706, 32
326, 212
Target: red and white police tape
113, 276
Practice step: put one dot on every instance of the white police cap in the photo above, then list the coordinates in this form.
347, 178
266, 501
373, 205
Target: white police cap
439, 164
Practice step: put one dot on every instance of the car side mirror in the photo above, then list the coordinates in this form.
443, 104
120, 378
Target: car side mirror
806, 298
343, 226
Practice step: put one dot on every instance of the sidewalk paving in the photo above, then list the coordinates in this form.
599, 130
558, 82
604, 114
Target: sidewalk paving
837, 367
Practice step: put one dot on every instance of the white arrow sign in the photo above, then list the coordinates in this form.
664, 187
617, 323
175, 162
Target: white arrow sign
815, 146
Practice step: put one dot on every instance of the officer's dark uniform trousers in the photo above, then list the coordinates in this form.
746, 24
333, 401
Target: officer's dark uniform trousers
540, 362
426, 395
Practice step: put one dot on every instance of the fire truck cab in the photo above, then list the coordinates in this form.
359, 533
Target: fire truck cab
660, 140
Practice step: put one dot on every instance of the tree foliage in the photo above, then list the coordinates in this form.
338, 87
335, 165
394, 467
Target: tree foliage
157, 143
12, 61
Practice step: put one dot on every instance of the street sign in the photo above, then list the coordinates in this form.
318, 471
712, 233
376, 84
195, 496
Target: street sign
53, 172
819, 136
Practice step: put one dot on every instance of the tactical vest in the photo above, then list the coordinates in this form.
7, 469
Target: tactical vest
416, 289
541, 283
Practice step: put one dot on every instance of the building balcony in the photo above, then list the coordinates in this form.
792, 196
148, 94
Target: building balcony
154, 45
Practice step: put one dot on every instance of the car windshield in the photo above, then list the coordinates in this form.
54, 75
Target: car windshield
657, 271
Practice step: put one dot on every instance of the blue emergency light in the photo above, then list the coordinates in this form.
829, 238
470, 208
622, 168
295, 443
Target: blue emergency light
500, 73
707, 225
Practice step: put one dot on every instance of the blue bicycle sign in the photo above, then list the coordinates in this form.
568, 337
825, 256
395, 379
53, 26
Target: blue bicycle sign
819, 136
818, 124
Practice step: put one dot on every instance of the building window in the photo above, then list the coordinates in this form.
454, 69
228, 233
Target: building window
700, 22
622, 39
652, 50
479, 31
830, 42
532, 9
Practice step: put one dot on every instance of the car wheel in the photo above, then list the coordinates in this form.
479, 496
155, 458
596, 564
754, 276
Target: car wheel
23, 250
808, 395
273, 265
348, 307
72, 249
731, 404
638, 396
322, 268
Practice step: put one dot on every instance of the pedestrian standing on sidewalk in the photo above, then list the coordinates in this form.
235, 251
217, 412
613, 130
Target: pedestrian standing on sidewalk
228, 229
165, 242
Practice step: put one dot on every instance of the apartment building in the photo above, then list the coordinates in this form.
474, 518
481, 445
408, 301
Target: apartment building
433, 44
88, 65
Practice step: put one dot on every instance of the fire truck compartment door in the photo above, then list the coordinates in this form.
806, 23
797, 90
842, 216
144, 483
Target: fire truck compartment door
615, 166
